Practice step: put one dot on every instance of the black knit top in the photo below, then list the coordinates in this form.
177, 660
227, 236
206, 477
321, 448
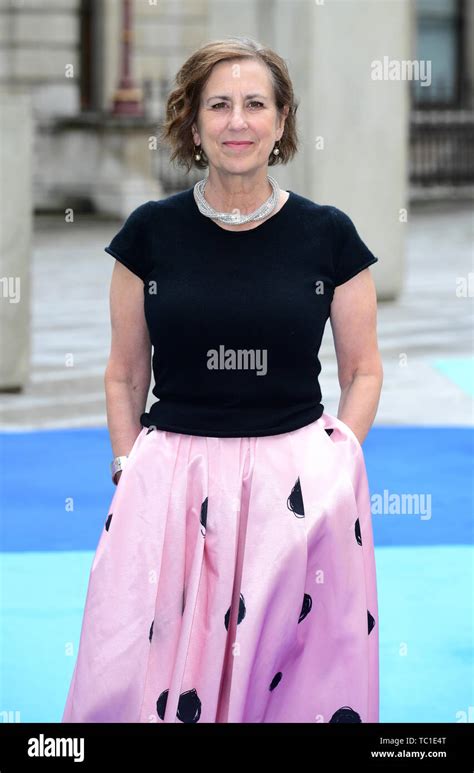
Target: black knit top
236, 318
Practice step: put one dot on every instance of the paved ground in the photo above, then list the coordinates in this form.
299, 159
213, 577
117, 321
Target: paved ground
429, 323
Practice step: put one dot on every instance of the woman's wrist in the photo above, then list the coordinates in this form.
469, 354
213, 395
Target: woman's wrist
116, 467
118, 462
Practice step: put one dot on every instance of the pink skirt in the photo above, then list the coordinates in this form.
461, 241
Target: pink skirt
234, 581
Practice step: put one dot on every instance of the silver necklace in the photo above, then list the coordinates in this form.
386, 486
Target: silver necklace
235, 218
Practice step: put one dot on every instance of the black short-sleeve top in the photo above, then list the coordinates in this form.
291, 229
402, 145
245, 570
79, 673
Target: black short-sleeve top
236, 318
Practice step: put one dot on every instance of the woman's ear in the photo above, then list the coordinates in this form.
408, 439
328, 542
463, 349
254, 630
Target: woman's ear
285, 111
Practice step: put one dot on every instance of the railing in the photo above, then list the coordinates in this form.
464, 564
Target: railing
441, 147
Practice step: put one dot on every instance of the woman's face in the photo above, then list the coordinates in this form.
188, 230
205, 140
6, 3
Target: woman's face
237, 105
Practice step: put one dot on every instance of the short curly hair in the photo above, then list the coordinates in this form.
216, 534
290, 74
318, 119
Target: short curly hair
182, 105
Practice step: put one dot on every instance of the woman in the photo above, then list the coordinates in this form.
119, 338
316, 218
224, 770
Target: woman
235, 579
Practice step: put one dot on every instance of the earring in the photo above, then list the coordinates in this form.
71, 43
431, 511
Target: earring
197, 155
276, 150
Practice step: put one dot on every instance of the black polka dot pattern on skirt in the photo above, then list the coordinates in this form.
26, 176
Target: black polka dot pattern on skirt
189, 706
295, 500
241, 615
306, 608
276, 680
345, 714
370, 621
204, 517
233, 565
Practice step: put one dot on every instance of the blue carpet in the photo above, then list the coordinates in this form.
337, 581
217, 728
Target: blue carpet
51, 525
460, 370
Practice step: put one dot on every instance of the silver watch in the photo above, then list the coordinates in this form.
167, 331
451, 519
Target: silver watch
117, 464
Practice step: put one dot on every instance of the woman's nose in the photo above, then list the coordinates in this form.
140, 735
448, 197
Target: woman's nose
237, 117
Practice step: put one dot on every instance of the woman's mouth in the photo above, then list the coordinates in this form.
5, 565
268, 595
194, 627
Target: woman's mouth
238, 145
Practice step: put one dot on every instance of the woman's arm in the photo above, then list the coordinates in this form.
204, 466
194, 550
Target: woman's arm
360, 372
128, 372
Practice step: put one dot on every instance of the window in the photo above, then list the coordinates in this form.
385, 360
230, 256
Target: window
439, 41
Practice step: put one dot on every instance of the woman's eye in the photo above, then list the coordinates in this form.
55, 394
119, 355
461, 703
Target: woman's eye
254, 102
